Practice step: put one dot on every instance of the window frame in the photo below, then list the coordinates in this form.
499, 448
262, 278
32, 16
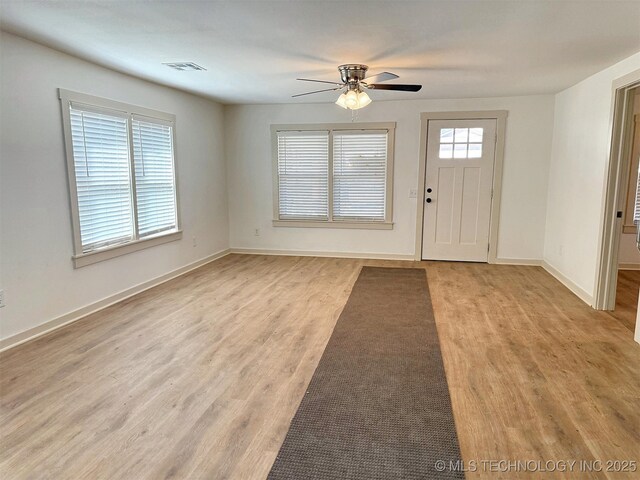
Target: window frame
107, 106
386, 224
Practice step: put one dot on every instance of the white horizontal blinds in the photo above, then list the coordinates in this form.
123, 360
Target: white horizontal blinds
102, 174
359, 175
154, 176
303, 175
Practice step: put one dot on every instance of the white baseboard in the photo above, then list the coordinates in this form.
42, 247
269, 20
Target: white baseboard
371, 256
309, 253
629, 266
533, 262
578, 291
76, 315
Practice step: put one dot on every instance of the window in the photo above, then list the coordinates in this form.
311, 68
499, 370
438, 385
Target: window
333, 175
359, 175
303, 175
461, 142
121, 175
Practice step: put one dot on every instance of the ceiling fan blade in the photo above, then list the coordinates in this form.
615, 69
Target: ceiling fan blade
317, 91
380, 77
318, 81
396, 86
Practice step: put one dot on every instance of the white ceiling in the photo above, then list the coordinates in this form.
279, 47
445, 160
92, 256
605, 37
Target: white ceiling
253, 51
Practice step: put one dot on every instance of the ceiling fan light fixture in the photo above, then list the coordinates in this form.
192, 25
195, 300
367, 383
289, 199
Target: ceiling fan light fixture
363, 99
353, 80
351, 100
342, 101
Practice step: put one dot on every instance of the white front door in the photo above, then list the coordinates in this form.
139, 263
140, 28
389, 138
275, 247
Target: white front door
458, 189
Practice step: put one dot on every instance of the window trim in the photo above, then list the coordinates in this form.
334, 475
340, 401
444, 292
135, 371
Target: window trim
80, 258
387, 224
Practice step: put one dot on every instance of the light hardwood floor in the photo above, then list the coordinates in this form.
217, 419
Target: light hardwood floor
200, 377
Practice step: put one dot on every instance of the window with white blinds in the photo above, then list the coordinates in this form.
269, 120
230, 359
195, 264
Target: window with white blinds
303, 175
103, 182
338, 175
154, 175
359, 175
122, 173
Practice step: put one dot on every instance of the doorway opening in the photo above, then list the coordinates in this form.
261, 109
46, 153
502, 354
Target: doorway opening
619, 263
459, 186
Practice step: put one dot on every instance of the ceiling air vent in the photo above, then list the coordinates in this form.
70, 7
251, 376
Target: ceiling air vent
185, 66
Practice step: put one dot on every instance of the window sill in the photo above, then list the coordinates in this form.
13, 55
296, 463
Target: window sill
90, 258
333, 224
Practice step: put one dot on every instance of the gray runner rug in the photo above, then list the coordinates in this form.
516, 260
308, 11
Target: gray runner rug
378, 406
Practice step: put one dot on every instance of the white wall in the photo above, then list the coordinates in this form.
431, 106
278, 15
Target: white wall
580, 152
628, 253
36, 271
249, 170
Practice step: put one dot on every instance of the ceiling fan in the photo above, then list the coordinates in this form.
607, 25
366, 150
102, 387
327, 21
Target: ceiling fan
354, 83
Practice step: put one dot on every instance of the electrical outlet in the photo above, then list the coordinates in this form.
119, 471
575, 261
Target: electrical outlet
257, 232
413, 193
195, 242
1, 298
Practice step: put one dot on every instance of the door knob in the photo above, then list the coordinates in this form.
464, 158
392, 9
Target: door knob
428, 200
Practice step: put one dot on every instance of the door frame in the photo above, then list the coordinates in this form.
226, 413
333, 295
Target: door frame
500, 116
614, 200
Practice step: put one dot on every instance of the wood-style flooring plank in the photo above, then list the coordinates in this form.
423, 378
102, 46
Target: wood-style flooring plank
201, 376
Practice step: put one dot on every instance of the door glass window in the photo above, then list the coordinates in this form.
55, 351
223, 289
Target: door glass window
461, 142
